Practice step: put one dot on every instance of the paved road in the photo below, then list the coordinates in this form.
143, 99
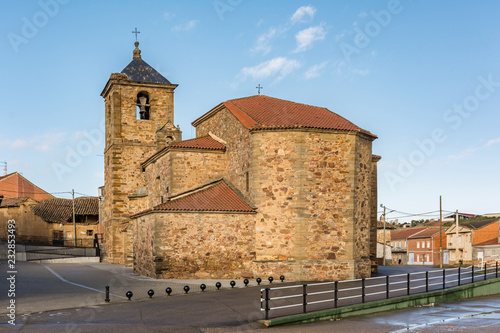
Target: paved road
77, 291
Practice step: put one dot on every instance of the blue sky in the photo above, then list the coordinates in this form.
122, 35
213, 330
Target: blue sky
422, 75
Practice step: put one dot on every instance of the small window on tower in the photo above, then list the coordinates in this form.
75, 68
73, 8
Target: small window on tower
143, 105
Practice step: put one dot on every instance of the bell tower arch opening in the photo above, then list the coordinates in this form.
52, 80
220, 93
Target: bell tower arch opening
143, 105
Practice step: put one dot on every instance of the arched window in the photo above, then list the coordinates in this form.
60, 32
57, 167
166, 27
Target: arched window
142, 105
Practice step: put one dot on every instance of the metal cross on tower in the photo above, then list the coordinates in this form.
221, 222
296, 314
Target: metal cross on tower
259, 87
136, 32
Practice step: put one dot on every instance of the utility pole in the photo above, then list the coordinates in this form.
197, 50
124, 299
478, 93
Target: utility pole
440, 233
456, 233
383, 259
74, 223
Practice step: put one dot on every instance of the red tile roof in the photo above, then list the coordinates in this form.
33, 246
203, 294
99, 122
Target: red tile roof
427, 233
214, 197
405, 233
204, 143
261, 112
61, 210
11, 202
493, 241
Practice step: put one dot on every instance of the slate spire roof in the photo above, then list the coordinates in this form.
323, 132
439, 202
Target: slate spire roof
140, 71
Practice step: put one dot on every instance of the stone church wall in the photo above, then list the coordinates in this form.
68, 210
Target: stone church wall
194, 245
305, 185
225, 125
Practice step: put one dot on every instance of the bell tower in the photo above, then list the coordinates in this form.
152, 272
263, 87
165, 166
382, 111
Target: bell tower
139, 116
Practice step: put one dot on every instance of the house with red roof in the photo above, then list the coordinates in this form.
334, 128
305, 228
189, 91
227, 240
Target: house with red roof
461, 241
268, 187
14, 185
399, 244
424, 247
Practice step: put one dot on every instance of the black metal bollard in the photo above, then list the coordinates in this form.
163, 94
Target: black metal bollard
218, 285
107, 294
168, 290
246, 282
282, 278
259, 280
232, 283
271, 279
203, 287
186, 289
151, 292
129, 295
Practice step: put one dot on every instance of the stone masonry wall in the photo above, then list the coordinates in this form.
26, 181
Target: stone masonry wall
29, 227
362, 214
129, 141
225, 125
194, 245
305, 185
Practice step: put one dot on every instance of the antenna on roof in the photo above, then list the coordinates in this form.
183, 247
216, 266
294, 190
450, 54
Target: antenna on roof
4, 168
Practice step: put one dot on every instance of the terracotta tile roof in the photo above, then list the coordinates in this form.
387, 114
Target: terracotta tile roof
61, 210
427, 233
214, 197
493, 241
405, 233
477, 224
206, 142
11, 202
261, 112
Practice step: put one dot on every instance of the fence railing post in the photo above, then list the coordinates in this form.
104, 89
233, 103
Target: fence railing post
472, 273
485, 272
267, 303
496, 269
408, 284
387, 286
362, 290
426, 281
336, 292
444, 279
304, 298
458, 275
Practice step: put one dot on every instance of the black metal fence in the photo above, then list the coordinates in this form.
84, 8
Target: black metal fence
304, 298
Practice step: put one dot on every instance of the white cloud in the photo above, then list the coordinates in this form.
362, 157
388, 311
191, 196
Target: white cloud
279, 67
315, 71
341, 35
263, 43
167, 15
302, 14
492, 142
190, 25
306, 37
363, 14
44, 142
362, 72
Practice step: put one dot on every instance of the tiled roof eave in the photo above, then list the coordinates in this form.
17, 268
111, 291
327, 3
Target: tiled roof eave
302, 127
203, 211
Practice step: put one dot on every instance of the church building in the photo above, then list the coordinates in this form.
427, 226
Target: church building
268, 187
